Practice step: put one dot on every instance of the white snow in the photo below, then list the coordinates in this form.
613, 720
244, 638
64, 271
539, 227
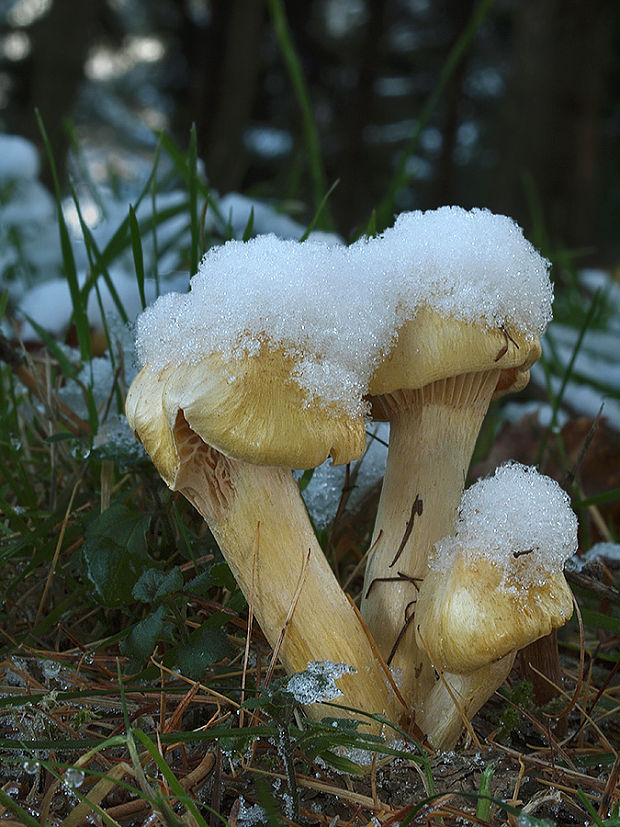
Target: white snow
323, 493
236, 210
317, 683
472, 265
18, 159
519, 520
49, 303
336, 309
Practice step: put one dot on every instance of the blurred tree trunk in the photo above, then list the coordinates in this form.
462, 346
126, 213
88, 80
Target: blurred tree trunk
457, 14
350, 196
561, 55
224, 69
60, 41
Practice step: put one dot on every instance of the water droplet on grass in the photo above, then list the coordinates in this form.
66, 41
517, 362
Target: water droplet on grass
74, 777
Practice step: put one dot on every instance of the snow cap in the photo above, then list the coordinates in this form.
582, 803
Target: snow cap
519, 521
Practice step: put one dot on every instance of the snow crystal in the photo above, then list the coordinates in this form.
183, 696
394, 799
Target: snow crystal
317, 683
250, 815
337, 309
519, 520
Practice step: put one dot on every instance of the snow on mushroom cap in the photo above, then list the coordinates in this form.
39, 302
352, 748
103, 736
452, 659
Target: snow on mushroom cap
305, 298
519, 520
337, 309
472, 265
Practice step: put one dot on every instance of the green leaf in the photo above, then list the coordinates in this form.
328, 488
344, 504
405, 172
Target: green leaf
115, 553
154, 585
141, 641
206, 645
200, 584
221, 575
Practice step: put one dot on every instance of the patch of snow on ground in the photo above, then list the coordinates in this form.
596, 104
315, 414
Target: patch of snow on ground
317, 683
323, 493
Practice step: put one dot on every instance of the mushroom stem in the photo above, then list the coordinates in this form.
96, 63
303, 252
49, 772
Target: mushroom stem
258, 518
455, 699
433, 432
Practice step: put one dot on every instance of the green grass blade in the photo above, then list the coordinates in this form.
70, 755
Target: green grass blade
483, 807
97, 265
138, 258
319, 210
606, 497
556, 399
596, 819
249, 227
596, 620
13, 807
311, 134
154, 228
80, 317
172, 780
68, 371
195, 250
4, 299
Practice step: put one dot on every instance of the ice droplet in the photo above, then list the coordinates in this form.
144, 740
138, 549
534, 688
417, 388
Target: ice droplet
73, 777
50, 669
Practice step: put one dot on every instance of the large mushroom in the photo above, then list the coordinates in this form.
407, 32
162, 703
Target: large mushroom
475, 298
494, 586
221, 407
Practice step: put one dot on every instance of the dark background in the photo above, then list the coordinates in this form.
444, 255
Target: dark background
527, 123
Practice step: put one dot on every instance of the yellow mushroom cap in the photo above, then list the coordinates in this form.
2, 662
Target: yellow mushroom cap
497, 585
431, 347
468, 618
247, 408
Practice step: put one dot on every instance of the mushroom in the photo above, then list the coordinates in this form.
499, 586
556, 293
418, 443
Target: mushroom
225, 416
475, 298
494, 586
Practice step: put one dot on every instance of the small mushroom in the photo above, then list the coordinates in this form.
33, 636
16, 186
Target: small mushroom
471, 336
497, 583
493, 587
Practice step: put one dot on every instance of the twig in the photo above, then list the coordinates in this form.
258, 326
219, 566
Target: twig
401, 577
11, 357
278, 646
377, 654
246, 653
360, 564
57, 552
402, 632
416, 509
582, 651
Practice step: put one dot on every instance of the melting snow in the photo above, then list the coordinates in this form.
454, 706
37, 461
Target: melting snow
317, 683
519, 520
